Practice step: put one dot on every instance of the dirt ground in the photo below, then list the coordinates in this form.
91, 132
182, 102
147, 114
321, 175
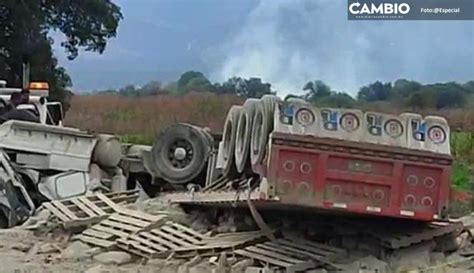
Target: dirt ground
21, 251
25, 250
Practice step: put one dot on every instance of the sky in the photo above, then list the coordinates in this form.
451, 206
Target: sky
285, 42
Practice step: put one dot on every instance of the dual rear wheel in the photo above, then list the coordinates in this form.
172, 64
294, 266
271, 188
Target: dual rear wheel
246, 133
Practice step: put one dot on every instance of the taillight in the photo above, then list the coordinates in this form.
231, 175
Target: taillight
378, 195
286, 186
303, 189
427, 201
336, 190
393, 128
410, 199
349, 122
289, 165
412, 180
305, 168
305, 117
429, 182
437, 134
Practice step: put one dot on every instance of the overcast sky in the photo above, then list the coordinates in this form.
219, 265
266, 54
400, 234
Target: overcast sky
286, 42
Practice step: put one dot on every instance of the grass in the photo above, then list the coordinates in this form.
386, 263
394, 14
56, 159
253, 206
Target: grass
460, 176
140, 119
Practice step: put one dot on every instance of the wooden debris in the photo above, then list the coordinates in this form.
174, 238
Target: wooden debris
119, 225
160, 242
183, 242
291, 254
89, 209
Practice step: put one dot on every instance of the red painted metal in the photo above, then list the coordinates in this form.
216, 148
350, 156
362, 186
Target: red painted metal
358, 177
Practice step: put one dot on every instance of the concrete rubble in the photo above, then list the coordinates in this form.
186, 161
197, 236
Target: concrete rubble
175, 240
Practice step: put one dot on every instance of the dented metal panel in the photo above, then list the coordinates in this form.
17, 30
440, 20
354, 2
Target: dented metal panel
47, 147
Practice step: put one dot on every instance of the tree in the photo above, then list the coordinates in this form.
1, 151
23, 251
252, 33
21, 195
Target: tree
129, 91
375, 92
337, 100
404, 88
469, 86
151, 88
417, 102
316, 90
26, 24
439, 95
248, 88
255, 88
199, 84
193, 81
450, 98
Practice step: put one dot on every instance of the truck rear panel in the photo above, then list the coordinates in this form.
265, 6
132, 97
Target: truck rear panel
358, 177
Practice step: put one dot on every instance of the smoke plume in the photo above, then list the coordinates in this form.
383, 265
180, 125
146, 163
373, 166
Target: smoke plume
290, 42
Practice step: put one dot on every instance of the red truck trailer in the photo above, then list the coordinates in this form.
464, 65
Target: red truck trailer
292, 154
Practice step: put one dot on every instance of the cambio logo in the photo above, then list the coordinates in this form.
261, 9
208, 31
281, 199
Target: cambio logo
379, 8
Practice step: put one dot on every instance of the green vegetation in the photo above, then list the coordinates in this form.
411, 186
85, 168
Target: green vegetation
196, 82
25, 28
462, 148
141, 139
401, 95
460, 175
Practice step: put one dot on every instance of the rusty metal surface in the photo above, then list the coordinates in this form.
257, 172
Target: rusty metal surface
88, 209
291, 254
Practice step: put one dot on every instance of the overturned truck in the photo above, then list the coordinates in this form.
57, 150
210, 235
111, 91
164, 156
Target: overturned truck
291, 154
44, 162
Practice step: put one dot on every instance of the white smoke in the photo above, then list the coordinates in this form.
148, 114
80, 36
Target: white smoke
290, 42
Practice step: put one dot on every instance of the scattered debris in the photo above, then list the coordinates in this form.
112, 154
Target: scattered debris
292, 254
88, 209
161, 241
121, 224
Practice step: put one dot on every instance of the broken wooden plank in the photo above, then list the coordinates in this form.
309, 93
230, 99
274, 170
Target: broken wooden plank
83, 207
91, 205
122, 225
56, 212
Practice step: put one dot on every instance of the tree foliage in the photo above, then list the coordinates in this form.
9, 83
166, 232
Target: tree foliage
337, 100
25, 26
193, 81
375, 91
316, 90
403, 94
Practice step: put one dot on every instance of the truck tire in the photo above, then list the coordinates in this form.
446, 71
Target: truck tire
108, 151
243, 135
180, 153
228, 140
261, 128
